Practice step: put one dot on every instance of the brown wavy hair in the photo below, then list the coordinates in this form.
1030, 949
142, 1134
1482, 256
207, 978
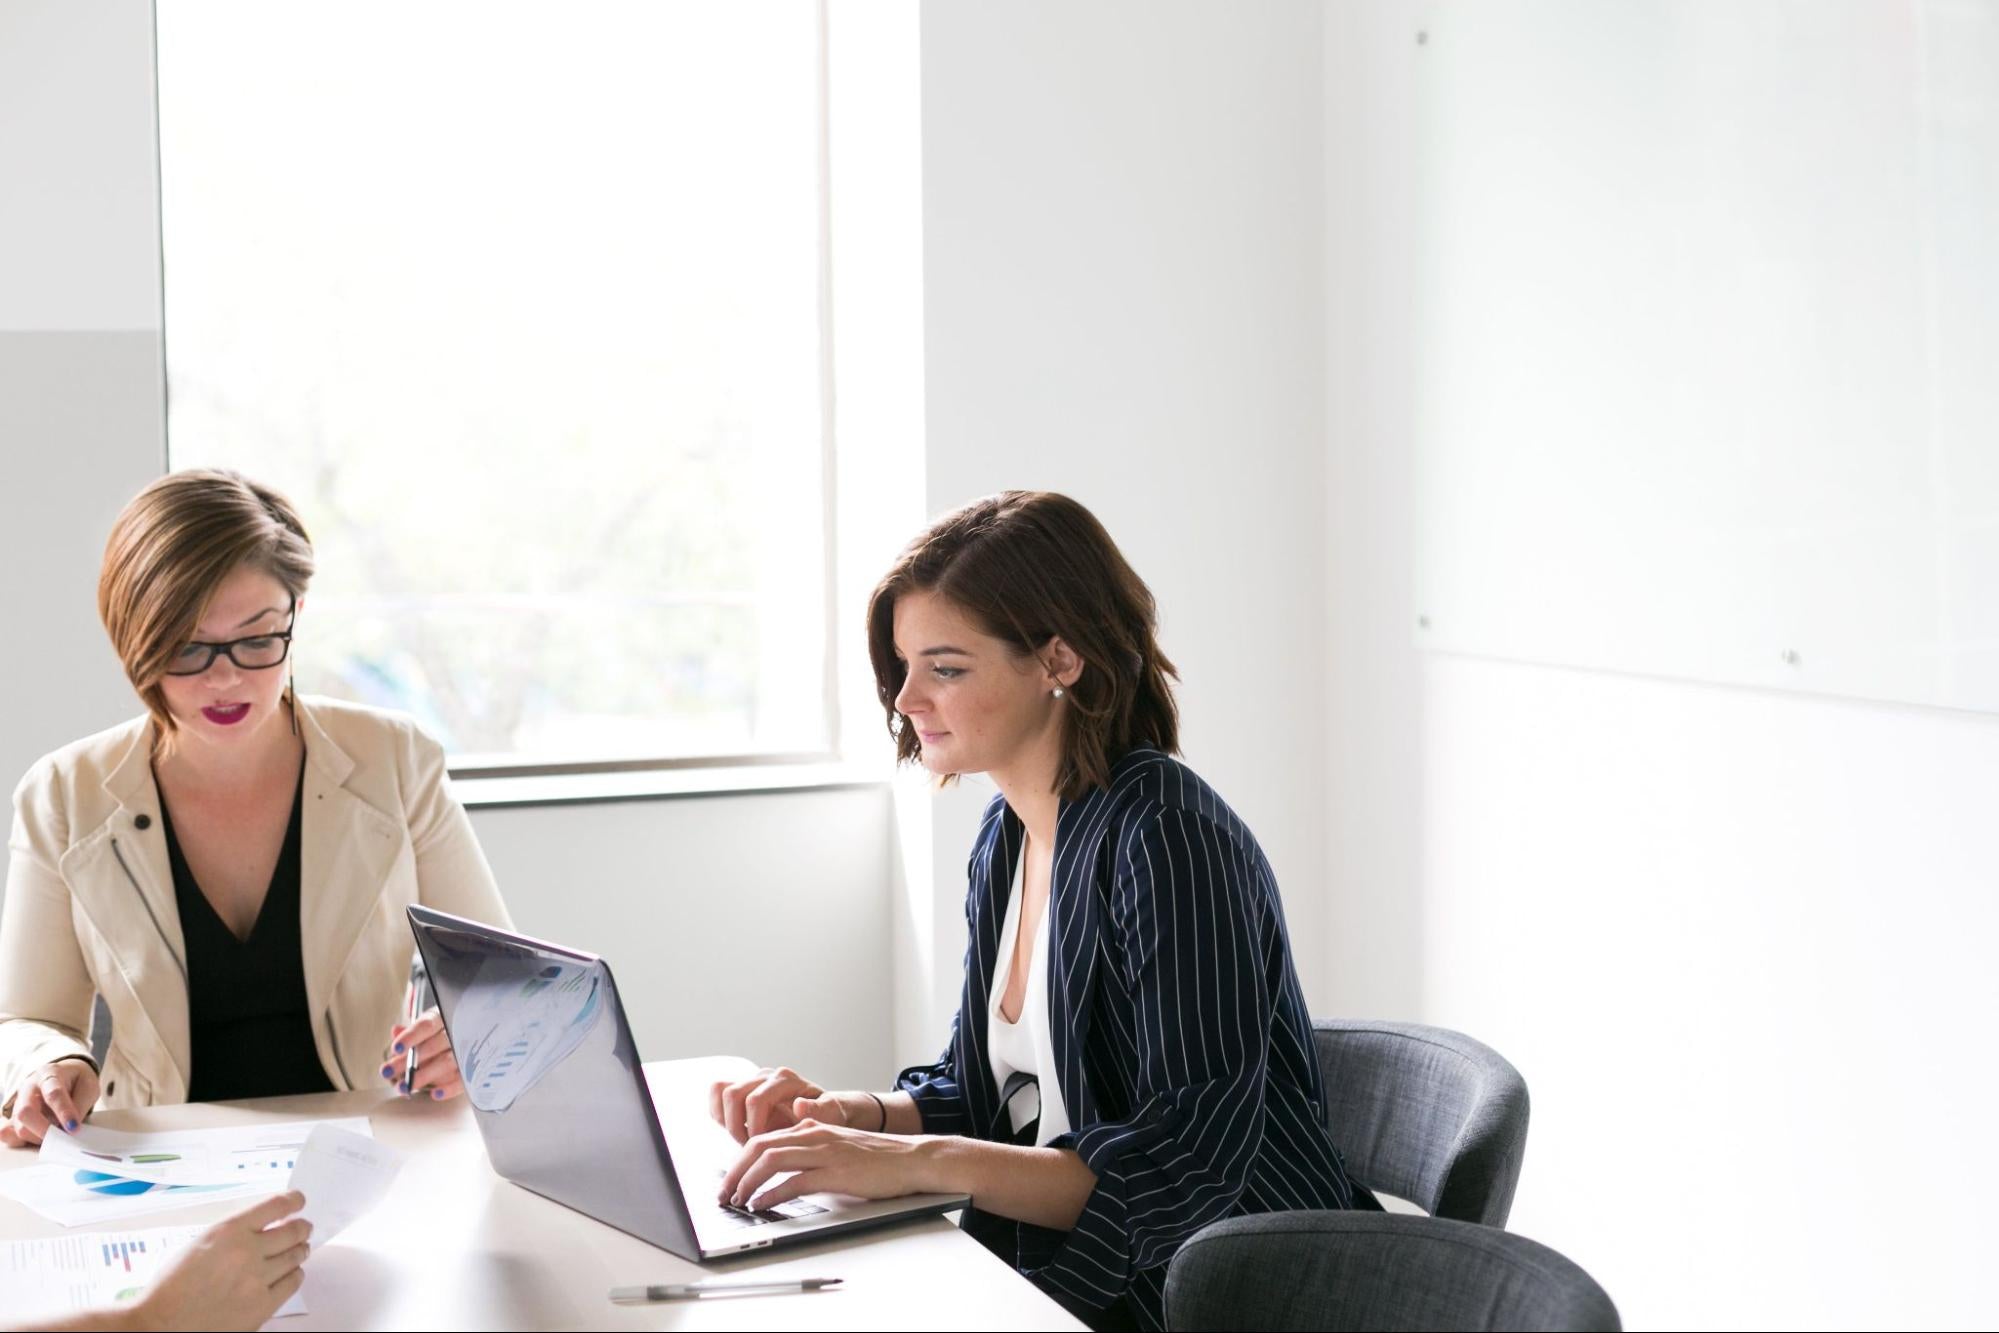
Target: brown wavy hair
171, 548
1026, 567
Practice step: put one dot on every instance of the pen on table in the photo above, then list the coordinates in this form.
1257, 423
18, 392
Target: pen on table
687, 1291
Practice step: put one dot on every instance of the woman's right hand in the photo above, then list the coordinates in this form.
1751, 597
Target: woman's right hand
60, 1093
780, 1098
235, 1274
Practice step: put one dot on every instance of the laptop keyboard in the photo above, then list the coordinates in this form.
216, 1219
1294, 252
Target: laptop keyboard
731, 1218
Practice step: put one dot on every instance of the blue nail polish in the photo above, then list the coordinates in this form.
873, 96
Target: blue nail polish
71, 1126
388, 1071
437, 1094
399, 1048
403, 1088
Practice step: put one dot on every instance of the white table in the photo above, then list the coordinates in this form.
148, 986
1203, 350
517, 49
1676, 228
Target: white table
456, 1247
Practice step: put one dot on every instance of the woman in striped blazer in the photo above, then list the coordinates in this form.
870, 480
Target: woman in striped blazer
1132, 1058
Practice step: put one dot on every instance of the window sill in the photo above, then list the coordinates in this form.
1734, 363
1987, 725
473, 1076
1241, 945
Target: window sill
491, 793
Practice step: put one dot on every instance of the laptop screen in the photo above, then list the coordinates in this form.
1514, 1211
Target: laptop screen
553, 1076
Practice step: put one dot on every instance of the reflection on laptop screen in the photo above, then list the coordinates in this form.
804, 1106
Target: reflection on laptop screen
518, 1019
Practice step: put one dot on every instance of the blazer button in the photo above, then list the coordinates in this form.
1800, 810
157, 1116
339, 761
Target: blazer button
143, 822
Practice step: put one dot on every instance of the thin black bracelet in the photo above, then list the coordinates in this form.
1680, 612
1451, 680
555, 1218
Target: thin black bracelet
884, 1110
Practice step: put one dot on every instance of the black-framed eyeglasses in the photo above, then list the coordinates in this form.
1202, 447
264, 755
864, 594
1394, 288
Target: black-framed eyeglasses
259, 652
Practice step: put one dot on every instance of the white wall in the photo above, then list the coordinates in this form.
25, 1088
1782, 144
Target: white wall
1122, 302
753, 925
80, 389
1740, 945
1738, 941
1373, 923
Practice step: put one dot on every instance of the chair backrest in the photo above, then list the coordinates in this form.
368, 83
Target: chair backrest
1366, 1270
1425, 1114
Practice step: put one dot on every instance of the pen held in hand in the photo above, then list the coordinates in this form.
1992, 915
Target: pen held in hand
409, 1061
688, 1291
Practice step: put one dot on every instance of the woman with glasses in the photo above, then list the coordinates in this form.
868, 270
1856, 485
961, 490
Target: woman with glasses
229, 870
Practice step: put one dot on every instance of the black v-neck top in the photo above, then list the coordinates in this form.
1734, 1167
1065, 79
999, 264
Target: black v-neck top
251, 1030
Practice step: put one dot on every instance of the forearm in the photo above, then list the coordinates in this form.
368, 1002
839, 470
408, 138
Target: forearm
27, 1046
1046, 1187
902, 1117
45, 987
880, 1112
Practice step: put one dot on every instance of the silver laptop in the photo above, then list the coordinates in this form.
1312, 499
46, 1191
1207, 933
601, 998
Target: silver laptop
567, 1111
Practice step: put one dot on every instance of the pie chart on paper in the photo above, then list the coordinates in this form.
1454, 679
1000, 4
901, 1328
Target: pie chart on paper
99, 1182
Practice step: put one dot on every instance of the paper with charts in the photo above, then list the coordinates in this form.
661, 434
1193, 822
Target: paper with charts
98, 1175
44, 1278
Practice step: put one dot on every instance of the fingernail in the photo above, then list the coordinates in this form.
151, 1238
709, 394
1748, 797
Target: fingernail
403, 1088
70, 1126
399, 1048
388, 1071
437, 1094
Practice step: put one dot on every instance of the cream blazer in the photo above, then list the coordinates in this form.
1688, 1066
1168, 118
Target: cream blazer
90, 905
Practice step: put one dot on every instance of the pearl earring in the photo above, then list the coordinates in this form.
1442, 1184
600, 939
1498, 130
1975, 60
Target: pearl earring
1059, 691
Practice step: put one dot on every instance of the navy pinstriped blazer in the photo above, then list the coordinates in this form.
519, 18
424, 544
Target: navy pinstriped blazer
1182, 1040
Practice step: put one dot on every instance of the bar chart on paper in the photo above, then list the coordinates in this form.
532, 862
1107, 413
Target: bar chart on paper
78, 1271
118, 1252
39, 1278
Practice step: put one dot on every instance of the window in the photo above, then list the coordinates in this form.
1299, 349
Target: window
523, 307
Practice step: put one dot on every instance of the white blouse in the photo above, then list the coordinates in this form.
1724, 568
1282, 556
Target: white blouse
1026, 1046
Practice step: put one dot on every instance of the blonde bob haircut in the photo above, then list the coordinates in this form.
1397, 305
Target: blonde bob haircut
171, 549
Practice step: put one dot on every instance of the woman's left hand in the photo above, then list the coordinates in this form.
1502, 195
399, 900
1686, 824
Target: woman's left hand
436, 1067
831, 1159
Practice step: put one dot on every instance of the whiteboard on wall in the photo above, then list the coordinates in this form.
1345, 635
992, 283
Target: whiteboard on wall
1708, 340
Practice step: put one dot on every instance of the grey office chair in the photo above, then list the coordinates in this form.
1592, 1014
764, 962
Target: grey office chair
1364, 1270
1425, 1114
